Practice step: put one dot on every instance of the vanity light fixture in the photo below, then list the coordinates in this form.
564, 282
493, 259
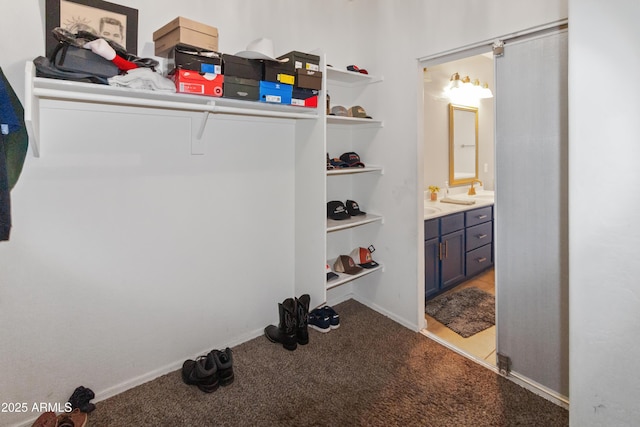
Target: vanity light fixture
486, 92
454, 87
482, 91
454, 82
465, 87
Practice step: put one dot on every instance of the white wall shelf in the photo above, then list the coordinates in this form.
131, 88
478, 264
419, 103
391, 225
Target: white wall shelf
354, 221
346, 278
350, 78
97, 94
348, 171
344, 131
341, 120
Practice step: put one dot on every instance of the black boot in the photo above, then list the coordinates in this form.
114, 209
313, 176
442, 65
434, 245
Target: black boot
302, 318
202, 372
224, 361
285, 333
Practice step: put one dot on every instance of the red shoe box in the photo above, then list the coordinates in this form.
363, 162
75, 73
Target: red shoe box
188, 81
304, 97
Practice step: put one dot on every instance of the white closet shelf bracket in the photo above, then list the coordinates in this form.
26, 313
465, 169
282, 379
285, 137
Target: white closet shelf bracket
37, 88
203, 124
31, 110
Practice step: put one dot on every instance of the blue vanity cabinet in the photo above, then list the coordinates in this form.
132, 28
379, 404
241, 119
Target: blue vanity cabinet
452, 238
444, 253
431, 256
479, 240
457, 247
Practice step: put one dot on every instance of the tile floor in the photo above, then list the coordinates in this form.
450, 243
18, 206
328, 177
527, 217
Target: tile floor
481, 345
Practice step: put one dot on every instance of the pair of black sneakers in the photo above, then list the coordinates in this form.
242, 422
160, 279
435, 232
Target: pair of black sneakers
209, 371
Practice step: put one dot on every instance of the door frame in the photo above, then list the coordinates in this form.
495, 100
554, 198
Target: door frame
462, 52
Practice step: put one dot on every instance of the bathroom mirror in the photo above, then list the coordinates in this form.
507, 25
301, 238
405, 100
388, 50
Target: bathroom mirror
463, 144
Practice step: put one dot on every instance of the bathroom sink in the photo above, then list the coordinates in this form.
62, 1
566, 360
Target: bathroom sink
428, 210
480, 196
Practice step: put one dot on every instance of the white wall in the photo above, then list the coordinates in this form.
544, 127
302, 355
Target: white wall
436, 121
604, 45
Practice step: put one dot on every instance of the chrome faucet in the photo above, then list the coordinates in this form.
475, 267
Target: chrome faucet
472, 191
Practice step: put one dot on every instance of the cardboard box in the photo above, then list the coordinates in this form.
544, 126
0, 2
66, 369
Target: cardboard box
276, 93
187, 32
306, 61
188, 81
239, 88
278, 73
304, 97
196, 59
242, 67
308, 79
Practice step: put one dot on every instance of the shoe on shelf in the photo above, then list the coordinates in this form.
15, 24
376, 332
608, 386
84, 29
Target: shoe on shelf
224, 363
319, 320
334, 318
202, 372
75, 418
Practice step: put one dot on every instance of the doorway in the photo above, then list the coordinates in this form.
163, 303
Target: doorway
530, 211
482, 345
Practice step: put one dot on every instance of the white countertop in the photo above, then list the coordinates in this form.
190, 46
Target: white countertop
437, 209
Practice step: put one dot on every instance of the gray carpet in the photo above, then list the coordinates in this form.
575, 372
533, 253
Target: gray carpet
466, 312
369, 372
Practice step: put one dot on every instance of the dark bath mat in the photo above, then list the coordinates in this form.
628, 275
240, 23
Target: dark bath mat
466, 312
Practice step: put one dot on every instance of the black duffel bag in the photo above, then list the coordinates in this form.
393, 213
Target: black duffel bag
70, 61
44, 68
67, 57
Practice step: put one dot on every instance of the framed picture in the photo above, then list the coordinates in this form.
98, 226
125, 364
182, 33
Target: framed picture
106, 20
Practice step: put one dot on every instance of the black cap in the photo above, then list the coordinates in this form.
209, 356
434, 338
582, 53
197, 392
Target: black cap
352, 159
337, 210
353, 208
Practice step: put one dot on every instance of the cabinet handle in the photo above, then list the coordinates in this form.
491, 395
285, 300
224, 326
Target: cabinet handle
446, 249
481, 260
481, 236
440, 251
481, 216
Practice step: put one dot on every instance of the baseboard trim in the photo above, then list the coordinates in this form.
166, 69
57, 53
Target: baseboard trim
515, 377
404, 322
149, 376
337, 300
539, 389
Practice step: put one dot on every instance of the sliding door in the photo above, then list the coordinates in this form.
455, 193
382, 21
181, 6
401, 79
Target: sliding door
531, 210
